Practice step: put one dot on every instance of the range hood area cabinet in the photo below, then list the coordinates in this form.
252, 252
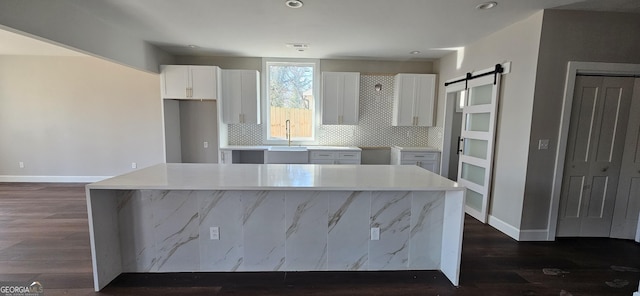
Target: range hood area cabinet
414, 97
240, 96
340, 97
189, 82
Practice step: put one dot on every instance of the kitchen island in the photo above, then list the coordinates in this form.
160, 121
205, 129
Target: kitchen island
274, 217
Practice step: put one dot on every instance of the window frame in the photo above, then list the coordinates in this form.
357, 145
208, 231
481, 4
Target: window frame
266, 125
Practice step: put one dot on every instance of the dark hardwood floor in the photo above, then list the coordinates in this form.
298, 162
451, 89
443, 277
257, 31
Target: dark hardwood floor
44, 237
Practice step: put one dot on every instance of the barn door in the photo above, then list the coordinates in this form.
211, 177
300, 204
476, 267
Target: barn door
475, 163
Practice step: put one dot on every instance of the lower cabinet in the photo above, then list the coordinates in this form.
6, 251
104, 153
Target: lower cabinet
427, 159
334, 157
226, 157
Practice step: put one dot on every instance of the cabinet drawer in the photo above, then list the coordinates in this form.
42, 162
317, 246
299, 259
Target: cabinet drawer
323, 155
322, 161
419, 156
348, 161
348, 155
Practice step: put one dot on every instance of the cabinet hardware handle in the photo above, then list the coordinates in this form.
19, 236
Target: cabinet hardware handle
419, 156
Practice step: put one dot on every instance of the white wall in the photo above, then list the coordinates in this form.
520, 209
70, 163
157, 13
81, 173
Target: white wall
519, 44
76, 116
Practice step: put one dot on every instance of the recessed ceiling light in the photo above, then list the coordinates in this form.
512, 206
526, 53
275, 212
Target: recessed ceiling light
415, 52
192, 46
294, 3
487, 5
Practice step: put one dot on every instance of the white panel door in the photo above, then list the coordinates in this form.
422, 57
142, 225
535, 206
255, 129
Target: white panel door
597, 131
627, 208
477, 140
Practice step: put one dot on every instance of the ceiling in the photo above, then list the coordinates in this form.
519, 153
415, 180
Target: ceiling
340, 29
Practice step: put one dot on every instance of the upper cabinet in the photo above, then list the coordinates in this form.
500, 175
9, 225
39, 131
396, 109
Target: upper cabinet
340, 97
240, 96
189, 82
414, 96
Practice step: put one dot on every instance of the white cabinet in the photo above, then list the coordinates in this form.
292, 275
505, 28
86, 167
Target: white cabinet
226, 157
334, 157
414, 96
422, 157
340, 97
189, 82
240, 96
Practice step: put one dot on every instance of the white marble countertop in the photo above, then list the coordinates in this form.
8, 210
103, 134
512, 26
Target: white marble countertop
417, 149
279, 177
266, 147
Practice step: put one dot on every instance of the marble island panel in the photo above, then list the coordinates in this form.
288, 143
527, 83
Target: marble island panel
147, 221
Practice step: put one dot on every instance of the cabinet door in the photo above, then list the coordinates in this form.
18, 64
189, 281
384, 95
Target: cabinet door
350, 98
340, 97
249, 94
226, 157
414, 96
425, 96
231, 83
203, 82
404, 99
175, 82
240, 89
331, 109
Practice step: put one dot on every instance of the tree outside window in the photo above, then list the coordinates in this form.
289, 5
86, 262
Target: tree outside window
290, 94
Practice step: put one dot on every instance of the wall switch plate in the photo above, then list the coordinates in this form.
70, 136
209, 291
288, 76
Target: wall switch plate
206, 144
134, 165
21, 165
375, 233
214, 233
543, 144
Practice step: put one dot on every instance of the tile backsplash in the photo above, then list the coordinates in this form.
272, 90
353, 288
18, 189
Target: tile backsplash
373, 130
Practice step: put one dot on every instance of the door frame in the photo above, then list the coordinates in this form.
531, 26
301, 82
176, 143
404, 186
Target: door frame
573, 69
449, 110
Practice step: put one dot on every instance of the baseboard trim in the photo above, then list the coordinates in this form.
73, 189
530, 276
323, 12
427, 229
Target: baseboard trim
504, 227
533, 235
52, 179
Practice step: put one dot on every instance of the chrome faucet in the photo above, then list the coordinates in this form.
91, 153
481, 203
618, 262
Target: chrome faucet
287, 126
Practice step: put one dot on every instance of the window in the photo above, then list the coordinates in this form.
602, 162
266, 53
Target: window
291, 99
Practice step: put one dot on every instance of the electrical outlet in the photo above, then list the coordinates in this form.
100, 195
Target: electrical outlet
214, 233
375, 233
134, 165
21, 165
206, 144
